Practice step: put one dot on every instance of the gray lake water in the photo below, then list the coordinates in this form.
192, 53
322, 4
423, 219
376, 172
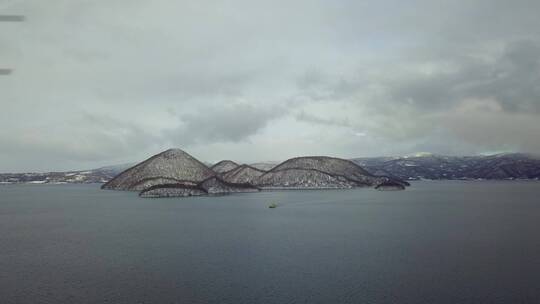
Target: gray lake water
437, 242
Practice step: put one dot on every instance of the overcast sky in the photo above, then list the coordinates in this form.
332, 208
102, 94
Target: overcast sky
104, 82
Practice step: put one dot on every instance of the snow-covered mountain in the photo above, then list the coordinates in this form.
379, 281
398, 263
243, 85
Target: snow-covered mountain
100, 175
410, 167
431, 166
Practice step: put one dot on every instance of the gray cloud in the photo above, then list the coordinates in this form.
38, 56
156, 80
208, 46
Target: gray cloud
305, 117
226, 123
11, 18
100, 82
419, 101
512, 78
96, 140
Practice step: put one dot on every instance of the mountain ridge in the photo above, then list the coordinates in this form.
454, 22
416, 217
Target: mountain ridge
243, 174
393, 166
176, 173
224, 166
165, 167
440, 167
320, 172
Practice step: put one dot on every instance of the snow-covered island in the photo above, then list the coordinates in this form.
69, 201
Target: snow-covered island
176, 173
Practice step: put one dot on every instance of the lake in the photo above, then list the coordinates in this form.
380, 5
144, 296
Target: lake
436, 242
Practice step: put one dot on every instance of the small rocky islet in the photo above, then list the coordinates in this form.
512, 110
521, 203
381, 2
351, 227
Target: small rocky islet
175, 173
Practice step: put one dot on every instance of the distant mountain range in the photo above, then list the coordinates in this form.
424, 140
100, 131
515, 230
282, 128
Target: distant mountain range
422, 166
100, 175
438, 167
